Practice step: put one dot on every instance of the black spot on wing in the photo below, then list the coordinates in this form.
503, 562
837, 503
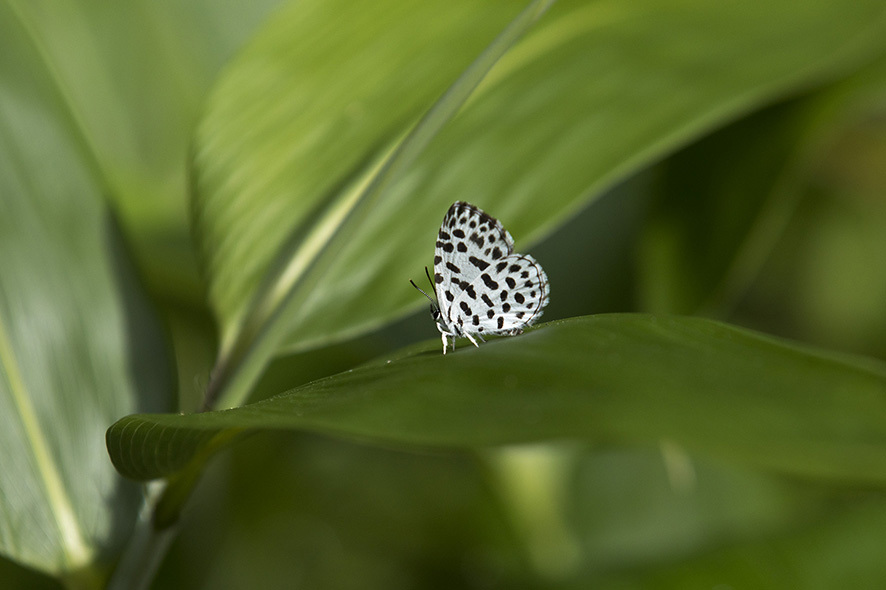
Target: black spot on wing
487, 280
518, 297
453, 268
461, 247
500, 266
481, 264
487, 300
511, 282
466, 308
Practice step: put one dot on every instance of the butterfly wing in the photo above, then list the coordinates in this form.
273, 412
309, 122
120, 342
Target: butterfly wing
468, 243
511, 293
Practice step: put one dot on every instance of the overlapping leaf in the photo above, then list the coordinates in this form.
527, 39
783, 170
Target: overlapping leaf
302, 120
79, 346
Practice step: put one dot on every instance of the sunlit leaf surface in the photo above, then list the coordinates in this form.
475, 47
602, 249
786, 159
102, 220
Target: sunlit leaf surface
594, 92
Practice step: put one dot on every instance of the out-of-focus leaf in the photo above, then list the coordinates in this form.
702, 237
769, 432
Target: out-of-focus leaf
726, 200
131, 78
840, 550
416, 520
826, 281
713, 200
709, 387
79, 346
596, 91
632, 510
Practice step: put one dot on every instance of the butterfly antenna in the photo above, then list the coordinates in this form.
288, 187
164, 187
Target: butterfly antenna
423, 293
428, 274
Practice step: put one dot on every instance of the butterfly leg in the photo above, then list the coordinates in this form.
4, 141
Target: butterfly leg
471, 338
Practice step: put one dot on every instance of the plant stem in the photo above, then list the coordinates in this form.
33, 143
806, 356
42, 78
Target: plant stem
146, 548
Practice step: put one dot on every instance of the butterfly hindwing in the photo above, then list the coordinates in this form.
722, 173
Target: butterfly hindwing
507, 296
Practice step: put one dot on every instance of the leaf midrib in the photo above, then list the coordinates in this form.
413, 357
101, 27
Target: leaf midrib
76, 552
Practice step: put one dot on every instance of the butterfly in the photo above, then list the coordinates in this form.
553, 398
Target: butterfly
482, 287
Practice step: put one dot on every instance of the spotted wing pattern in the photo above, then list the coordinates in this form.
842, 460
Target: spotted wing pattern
510, 294
467, 240
482, 287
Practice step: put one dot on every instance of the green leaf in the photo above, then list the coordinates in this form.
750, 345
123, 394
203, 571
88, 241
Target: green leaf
248, 342
626, 379
727, 199
303, 119
131, 78
79, 346
718, 196
841, 550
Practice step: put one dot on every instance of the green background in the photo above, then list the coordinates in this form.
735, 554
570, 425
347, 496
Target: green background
200, 196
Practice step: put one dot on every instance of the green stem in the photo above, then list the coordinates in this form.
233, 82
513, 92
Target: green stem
146, 548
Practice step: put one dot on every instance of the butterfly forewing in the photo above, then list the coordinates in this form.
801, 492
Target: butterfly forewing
469, 241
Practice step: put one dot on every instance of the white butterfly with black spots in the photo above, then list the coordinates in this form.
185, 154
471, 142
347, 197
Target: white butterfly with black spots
482, 287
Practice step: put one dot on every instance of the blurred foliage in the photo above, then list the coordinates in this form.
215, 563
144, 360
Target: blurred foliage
745, 185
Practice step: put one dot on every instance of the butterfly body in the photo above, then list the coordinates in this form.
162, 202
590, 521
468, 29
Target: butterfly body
482, 286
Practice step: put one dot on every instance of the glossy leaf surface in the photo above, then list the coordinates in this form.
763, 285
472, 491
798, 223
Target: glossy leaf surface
627, 379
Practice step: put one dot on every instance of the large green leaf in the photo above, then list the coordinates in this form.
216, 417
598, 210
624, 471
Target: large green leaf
302, 120
79, 346
712, 388
301, 261
131, 78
